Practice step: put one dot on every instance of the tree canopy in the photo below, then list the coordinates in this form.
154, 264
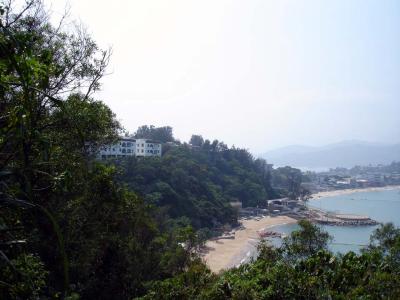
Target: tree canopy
318, 274
67, 227
161, 134
200, 183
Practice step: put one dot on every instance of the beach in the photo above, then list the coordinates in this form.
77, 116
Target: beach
226, 253
222, 254
351, 191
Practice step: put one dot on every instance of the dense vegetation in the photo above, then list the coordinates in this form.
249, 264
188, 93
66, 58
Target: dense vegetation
160, 134
199, 183
302, 268
66, 226
72, 228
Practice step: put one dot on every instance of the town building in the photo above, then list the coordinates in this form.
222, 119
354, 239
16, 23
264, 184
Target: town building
131, 147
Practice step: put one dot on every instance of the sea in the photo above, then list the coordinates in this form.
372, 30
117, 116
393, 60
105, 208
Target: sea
380, 205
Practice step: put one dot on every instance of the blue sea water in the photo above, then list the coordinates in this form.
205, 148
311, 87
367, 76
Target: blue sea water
382, 206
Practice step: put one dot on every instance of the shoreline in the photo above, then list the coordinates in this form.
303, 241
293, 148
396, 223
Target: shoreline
352, 191
223, 254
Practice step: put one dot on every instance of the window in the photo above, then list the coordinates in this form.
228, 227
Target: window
128, 151
129, 144
123, 150
123, 144
142, 150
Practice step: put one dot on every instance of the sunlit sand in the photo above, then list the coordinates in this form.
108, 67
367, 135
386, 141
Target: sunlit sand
221, 254
351, 191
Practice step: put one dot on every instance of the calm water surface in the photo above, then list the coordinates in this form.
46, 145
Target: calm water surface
383, 206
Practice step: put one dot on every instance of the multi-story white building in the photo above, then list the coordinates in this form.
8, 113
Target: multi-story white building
131, 147
146, 147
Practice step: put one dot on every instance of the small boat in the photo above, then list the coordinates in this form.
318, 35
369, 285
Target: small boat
268, 233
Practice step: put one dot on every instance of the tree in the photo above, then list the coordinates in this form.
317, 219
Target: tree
162, 134
289, 179
306, 241
47, 78
385, 237
196, 140
67, 226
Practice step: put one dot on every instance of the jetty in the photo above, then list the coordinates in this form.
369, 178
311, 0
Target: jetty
336, 219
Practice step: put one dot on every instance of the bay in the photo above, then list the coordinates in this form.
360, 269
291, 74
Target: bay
382, 206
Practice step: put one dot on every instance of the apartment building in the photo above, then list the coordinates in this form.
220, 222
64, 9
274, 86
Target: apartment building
145, 147
130, 147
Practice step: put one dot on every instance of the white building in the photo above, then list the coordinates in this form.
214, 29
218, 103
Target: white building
130, 147
146, 147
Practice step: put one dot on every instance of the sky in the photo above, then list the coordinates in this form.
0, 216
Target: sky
254, 74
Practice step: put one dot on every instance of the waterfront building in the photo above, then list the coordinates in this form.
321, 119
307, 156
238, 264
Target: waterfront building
131, 147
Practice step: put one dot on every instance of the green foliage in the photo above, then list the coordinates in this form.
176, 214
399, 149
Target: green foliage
316, 274
288, 181
305, 242
22, 277
61, 214
191, 284
196, 140
113, 235
72, 228
160, 134
385, 237
199, 183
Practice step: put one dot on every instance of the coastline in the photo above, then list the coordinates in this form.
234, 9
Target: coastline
223, 254
351, 191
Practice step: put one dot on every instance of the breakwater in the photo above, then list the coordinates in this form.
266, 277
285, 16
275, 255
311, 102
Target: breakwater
334, 219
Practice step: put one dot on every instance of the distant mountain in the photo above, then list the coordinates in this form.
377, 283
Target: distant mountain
344, 154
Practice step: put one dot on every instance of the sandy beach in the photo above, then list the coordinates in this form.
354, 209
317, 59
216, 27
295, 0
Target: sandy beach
351, 191
226, 253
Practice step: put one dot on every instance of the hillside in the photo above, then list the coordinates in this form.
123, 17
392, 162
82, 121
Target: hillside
345, 154
198, 184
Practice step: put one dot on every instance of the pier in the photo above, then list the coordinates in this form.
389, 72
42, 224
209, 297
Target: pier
327, 218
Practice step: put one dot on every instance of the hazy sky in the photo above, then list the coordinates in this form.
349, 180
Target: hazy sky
256, 74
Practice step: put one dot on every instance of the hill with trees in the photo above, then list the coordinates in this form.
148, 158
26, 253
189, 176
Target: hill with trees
73, 228
198, 180
199, 183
